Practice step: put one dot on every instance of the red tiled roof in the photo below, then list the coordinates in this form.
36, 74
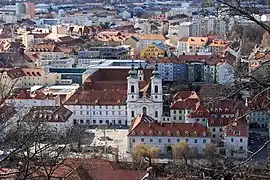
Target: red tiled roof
92, 169
107, 87
182, 94
219, 122
200, 112
41, 36
115, 75
98, 97
146, 126
237, 128
14, 73
185, 100
222, 107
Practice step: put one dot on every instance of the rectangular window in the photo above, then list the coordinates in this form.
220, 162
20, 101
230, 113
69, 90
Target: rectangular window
112, 112
241, 147
100, 113
169, 140
214, 129
81, 121
142, 139
133, 140
160, 140
132, 113
178, 140
220, 129
80, 106
204, 141
180, 118
186, 140
151, 140
100, 121
106, 112
213, 135
87, 113
107, 121
156, 113
174, 111
231, 139
195, 141
119, 113
87, 121
94, 121
81, 112
241, 140
174, 117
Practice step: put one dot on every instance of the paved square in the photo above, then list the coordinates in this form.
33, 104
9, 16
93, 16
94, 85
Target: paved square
118, 136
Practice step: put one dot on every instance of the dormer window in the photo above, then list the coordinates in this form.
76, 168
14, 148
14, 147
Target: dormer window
195, 133
220, 110
204, 133
160, 133
236, 132
142, 132
133, 133
151, 132
178, 133
186, 133
169, 133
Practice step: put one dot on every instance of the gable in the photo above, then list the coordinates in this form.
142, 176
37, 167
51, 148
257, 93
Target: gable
144, 100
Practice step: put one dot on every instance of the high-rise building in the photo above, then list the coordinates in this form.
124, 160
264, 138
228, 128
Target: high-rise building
20, 9
30, 10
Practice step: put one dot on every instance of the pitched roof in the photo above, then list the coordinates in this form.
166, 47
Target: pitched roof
144, 125
185, 100
200, 41
93, 169
107, 87
14, 73
151, 37
237, 128
48, 114
219, 122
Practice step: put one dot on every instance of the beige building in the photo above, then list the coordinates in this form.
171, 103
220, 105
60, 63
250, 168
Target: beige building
30, 39
24, 78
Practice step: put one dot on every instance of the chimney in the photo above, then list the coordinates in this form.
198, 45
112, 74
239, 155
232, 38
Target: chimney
149, 125
172, 124
161, 124
193, 124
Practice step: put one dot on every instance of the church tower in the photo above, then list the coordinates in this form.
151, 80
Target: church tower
156, 86
133, 85
140, 73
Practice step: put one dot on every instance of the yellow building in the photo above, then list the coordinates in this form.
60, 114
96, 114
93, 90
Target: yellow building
152, 51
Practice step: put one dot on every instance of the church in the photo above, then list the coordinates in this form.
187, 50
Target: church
146, 100
117, 97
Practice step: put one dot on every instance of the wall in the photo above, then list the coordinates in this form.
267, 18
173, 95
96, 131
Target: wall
163, 142
98, 114
236, 146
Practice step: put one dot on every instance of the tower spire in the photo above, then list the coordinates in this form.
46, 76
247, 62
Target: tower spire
155, 72
132, 72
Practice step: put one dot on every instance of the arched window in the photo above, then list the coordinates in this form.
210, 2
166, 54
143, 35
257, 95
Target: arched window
144, 110
156, 89
132, 89
156, 113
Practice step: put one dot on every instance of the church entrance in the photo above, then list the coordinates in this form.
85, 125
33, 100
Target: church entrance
169, 150
144, 110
